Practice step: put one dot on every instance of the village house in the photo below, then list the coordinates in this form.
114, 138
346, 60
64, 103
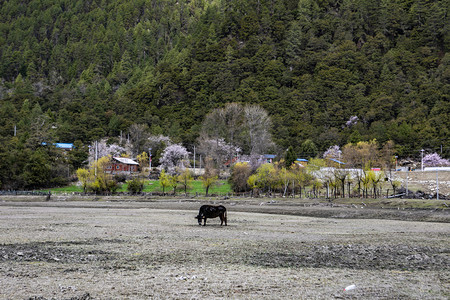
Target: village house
335, 163
121, 165
269, 158
63, 146
303, 162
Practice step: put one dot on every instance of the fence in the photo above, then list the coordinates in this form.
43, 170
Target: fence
23, 193
311, 194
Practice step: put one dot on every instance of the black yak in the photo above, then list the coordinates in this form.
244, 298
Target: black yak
211, 211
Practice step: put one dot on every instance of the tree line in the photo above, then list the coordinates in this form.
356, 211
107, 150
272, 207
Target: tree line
368, 171
325, 72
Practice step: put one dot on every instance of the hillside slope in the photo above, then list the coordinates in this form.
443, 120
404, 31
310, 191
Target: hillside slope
330, 71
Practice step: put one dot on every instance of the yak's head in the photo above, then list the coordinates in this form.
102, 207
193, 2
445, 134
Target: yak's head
199, 218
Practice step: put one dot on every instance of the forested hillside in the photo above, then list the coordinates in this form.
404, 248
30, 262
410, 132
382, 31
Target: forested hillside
329, 71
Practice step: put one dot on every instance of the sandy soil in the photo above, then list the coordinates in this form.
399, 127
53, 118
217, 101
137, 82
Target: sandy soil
156, 250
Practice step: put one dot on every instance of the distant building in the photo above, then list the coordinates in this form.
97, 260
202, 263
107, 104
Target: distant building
302, 162
120, 165
269, 158
230, 162
336, 163
63, 146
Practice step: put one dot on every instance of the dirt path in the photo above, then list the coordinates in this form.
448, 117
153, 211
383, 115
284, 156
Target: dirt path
155, 250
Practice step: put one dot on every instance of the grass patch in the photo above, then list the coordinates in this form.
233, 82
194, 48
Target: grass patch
66, 189
222, 187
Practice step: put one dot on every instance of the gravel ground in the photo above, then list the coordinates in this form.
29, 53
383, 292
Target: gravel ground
79, 250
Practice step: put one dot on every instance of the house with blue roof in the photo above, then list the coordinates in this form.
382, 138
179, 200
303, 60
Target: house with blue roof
337, 161
269, 158
301, 161
63, 146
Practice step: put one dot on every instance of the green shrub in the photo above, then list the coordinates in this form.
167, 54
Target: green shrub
120, 178
112, 186
103, 185
239, 176
135, 186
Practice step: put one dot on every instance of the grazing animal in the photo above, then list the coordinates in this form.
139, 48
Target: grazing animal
211, 211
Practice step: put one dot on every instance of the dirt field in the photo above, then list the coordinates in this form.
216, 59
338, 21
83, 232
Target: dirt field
156, 250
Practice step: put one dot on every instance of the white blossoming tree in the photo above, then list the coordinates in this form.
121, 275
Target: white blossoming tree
435, 160
104, 149
157, 144
219, 150
352, 121
174, 157
333, 152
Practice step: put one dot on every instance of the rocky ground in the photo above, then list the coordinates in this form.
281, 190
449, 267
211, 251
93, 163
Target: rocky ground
270, 250
427, 182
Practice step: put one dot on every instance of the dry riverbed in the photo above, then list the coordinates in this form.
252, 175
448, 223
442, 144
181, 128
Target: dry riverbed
156, 250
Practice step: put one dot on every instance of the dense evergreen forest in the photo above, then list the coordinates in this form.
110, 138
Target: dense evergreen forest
329, 71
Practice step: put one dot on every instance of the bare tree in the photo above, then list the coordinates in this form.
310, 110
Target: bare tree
358, 175
156, 140
40, 127
220, 132
209, 178
361, 155
218, 150
138, 136
258, 124
236, 127
101, 148
213, 126
341, 175
233, 119
388, 161
387, 158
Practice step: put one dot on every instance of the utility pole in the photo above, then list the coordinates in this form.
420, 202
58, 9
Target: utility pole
150, 158
15, 131
422, 159
194, 160
407, 173
96, 158
437, 184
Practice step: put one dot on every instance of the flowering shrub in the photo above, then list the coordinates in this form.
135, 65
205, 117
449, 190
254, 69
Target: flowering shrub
332, 152
104, 149
352, 121
434, 160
